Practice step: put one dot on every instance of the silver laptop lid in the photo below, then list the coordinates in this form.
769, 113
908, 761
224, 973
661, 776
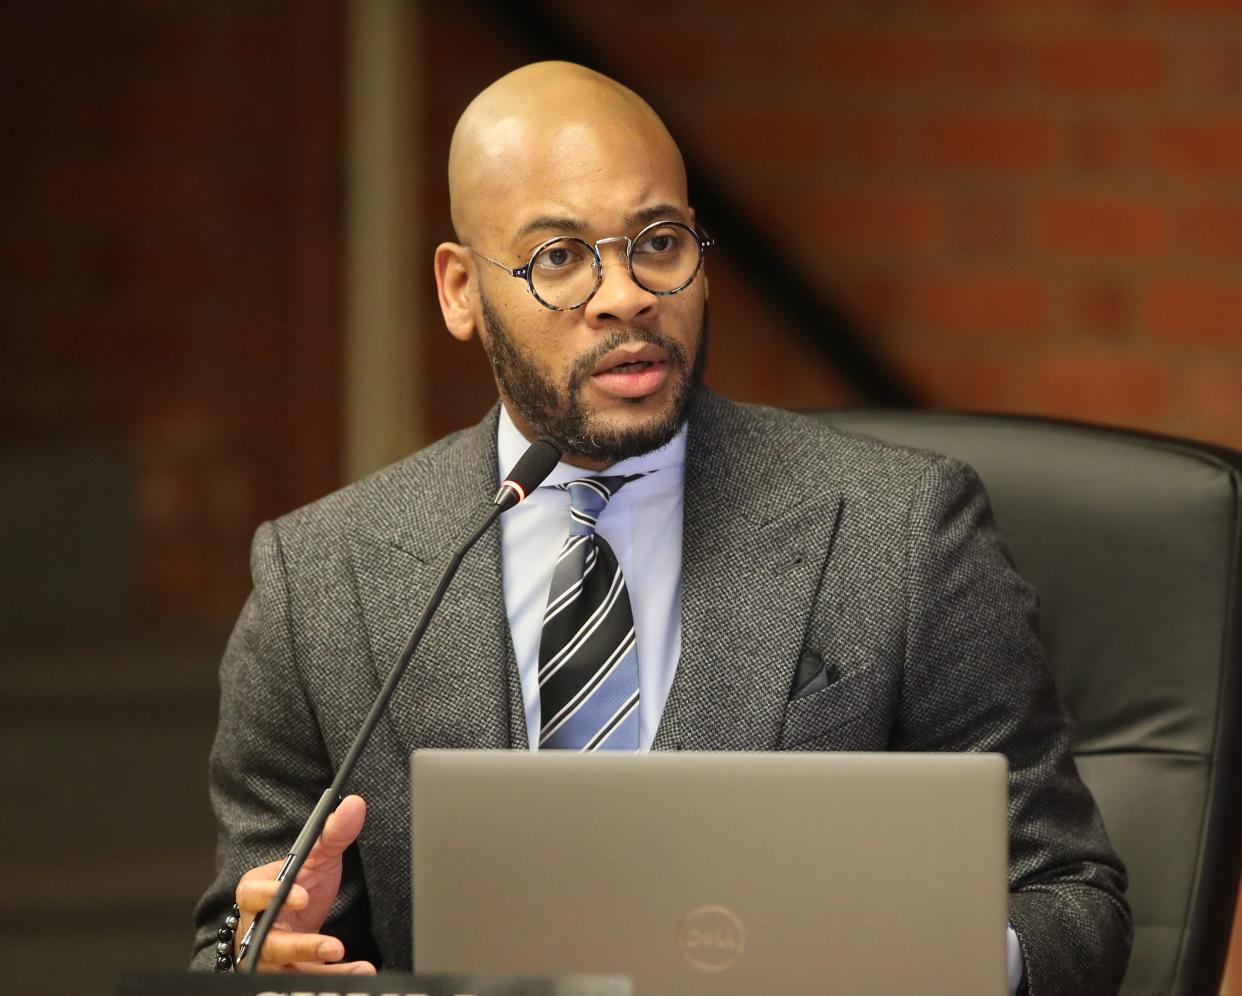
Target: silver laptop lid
715, 873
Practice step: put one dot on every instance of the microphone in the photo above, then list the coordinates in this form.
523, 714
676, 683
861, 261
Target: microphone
527, 474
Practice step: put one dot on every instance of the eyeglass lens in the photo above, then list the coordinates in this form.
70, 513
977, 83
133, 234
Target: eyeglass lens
665, 258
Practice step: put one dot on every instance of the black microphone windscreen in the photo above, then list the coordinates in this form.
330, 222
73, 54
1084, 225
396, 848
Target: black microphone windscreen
529, 472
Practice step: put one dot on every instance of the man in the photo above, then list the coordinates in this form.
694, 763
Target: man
788, 586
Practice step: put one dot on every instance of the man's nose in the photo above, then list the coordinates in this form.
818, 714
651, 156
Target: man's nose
619, 298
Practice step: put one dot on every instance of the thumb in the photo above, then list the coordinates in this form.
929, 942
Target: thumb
342, 828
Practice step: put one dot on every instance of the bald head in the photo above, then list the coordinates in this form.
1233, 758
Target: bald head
544, 128
550, 154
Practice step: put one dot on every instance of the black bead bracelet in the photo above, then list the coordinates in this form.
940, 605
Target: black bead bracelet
224, 940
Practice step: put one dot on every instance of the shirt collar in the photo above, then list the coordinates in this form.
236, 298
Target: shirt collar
511, 444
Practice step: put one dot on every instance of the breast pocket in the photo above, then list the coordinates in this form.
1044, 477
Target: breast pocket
819, 720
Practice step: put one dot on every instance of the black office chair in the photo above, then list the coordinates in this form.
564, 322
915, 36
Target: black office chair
1134, 543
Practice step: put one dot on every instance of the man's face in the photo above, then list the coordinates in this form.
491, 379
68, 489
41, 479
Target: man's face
612, 378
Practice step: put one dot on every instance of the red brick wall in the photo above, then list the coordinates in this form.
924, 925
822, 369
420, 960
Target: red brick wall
170, 263
1027, 205
1030, 205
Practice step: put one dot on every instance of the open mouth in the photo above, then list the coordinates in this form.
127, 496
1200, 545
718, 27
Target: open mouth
631, 359
633, 366
632, 376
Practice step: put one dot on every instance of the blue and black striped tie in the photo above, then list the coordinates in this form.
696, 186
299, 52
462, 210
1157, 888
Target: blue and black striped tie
588, 659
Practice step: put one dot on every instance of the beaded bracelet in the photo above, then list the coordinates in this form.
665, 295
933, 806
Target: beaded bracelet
224, 940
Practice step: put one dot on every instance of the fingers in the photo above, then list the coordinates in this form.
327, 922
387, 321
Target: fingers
339, 968
309, 953
285, 951
342, 828
293, 940
285, 948
255, 894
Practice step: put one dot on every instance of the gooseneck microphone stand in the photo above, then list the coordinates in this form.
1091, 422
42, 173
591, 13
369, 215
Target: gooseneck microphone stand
527, 474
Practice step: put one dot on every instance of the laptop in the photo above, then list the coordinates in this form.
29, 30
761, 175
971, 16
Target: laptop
718, 874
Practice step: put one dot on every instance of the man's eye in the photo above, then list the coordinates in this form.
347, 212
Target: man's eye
658, 243
558, 258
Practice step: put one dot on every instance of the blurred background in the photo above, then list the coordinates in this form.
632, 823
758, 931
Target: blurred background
218, 305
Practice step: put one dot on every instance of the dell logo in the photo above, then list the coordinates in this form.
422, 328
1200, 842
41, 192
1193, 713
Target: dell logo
722, 940
711, 938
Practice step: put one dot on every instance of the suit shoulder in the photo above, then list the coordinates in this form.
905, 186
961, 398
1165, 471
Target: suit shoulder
399, 490
801, 444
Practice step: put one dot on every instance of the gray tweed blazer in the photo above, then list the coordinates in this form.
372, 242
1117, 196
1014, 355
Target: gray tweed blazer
798, 539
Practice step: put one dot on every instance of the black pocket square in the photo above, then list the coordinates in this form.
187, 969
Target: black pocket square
813, 674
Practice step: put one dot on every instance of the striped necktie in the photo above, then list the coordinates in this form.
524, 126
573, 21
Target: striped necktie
588, 660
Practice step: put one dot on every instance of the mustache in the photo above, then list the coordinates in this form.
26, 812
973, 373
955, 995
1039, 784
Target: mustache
587, 362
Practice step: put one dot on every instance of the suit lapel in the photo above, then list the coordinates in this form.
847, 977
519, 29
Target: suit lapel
755, 544
754, 548
459, 688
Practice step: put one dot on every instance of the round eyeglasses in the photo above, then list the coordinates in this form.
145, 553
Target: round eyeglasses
564, 273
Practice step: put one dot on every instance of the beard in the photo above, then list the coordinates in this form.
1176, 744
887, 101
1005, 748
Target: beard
560, 413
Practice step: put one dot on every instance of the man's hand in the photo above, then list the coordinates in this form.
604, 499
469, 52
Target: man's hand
295, 944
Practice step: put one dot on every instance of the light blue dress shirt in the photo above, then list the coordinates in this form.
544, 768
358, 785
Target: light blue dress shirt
642, 523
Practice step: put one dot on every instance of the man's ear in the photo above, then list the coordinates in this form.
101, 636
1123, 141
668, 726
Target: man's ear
453, 286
